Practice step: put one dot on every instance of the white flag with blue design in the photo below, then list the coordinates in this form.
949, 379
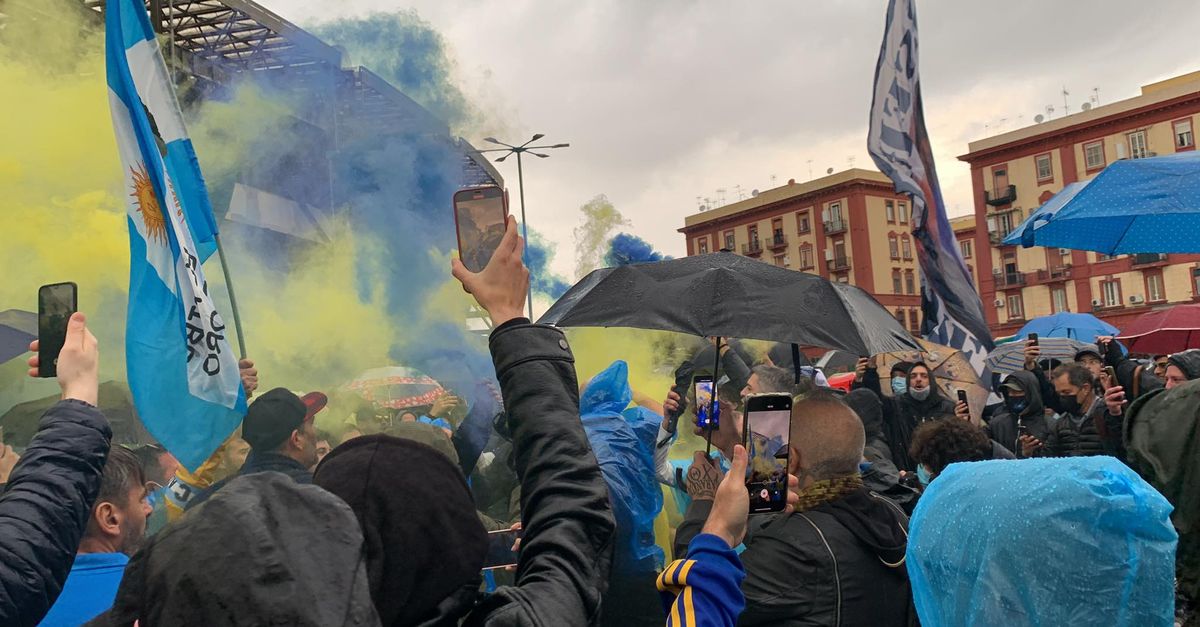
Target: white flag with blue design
183, 375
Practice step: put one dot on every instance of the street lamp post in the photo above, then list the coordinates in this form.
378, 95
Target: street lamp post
510, 149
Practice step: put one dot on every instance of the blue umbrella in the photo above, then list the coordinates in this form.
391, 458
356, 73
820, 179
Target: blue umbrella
1024, 233
1133, 206
1077, 326
17, 329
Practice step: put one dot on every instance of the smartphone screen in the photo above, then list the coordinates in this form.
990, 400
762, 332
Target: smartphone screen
500, 551
56, 303
479, 216
708, 416
1033, 338
768, 426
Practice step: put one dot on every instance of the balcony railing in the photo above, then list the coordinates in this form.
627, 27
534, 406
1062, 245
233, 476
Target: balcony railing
838, 264
1146, 259
1057, 273
753, 249
833, 227
777, 241
1009, 279
997, 237
1002, 196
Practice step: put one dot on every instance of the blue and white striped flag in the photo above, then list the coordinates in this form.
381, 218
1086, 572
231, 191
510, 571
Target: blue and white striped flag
899, 145
184, 378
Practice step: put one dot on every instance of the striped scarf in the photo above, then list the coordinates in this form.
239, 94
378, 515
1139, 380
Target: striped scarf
828, 490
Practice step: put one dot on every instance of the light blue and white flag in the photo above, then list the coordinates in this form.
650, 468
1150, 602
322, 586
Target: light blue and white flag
183, 375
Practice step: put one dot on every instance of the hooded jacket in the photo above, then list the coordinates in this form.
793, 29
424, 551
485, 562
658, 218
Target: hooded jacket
839, 563
264, 550
1005, 428
45, 508
908, 413
1188, 362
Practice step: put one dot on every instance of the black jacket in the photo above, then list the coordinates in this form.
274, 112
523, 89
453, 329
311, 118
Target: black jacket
840, 563
45, 508
1005, 428
258, 462
566, 550
1097, 434
901, 416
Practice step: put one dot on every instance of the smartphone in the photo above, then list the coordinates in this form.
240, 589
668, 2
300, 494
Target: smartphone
708, 415
56, 303
500, 552
1112, 375
962, 396
1033, 340
768, 425
480, 217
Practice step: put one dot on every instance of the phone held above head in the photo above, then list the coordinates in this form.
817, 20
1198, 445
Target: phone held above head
480, 218
56, 303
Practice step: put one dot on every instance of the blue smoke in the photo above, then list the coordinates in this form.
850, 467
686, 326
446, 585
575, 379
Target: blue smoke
538, 253
625, 249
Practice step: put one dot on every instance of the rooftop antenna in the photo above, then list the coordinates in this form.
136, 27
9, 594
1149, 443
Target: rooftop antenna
1049, 112
773, 177
1087, 106
829, 171
850, 160
809, 171
707, 203
737, 189
1096, 96
1003, 124
721, 196
1066, 105
1039, 118
700, 203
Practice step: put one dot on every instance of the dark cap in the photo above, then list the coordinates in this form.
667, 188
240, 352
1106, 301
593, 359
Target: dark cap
1094, 352
272, 418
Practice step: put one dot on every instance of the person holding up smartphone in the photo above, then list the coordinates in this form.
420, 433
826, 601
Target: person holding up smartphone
45, 506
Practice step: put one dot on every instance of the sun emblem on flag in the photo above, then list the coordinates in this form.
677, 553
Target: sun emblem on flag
147, 204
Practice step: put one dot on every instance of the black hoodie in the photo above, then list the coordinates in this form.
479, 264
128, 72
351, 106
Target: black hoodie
1005, 428
1188, 362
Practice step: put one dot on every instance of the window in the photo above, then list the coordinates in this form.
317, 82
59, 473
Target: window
910, 283
1058, 300
1183, 134
1154, 288
1016, 308
1045, 168
1093, 155
777, 227
806, 261
914, 321
839, 249
779, 261
896, 281
1000, 179
902, 208
702, 245
753, 232
1137, 145
835, 212
1103, 257
730, 240
901, 317
966, 248
803, 225
890, 208
906, 244
893, 246
1112, 293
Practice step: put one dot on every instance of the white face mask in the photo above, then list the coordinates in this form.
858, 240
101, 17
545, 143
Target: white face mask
920, 395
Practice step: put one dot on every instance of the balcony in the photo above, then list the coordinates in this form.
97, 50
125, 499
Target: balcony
1009, 279
998, 197
1148, 259
777, 242
833, 227
1057, 273
753, 249
997, 237
838, 264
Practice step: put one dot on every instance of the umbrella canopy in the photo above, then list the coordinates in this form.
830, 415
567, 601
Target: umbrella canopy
17, 329
950, 370
1164, 331
1077, 326
1133, 206
1024, 233
836, 361
396, 387
727, 295
1010, 357
115, 400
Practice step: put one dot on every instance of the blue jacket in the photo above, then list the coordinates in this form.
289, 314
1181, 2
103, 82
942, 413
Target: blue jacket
89, 591
705, 588
45, 508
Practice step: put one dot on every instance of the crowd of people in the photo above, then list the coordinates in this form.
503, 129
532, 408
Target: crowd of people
1072, 502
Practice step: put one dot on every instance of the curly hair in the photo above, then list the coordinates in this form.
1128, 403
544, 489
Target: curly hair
939, 443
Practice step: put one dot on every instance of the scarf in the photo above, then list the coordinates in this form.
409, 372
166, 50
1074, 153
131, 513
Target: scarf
828, 490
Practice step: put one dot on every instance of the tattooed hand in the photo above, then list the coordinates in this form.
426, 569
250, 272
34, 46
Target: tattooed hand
703, 478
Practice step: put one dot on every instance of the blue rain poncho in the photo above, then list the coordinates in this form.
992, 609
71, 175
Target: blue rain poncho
623, 441
1060, 541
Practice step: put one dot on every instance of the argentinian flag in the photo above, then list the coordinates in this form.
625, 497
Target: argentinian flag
182, 373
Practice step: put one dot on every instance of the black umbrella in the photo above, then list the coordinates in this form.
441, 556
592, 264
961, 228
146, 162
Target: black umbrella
727, 295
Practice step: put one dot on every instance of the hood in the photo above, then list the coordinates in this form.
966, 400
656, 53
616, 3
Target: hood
1188, 361
869, 409
1028, 383
424, 542
607, 392
935, 393
874, 522
1102, 546
264, 549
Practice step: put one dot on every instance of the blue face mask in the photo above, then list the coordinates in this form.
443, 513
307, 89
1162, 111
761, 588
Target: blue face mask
899, 385
923, 474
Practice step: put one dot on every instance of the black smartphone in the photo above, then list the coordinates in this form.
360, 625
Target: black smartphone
480, 217
56, 303
962, 396
1112, 375
501, 550
1033, 340
768, 425
708, 414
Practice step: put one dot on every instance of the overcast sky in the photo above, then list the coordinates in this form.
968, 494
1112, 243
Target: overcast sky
669, 100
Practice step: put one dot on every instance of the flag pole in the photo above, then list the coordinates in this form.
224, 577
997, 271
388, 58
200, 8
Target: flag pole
237, 318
